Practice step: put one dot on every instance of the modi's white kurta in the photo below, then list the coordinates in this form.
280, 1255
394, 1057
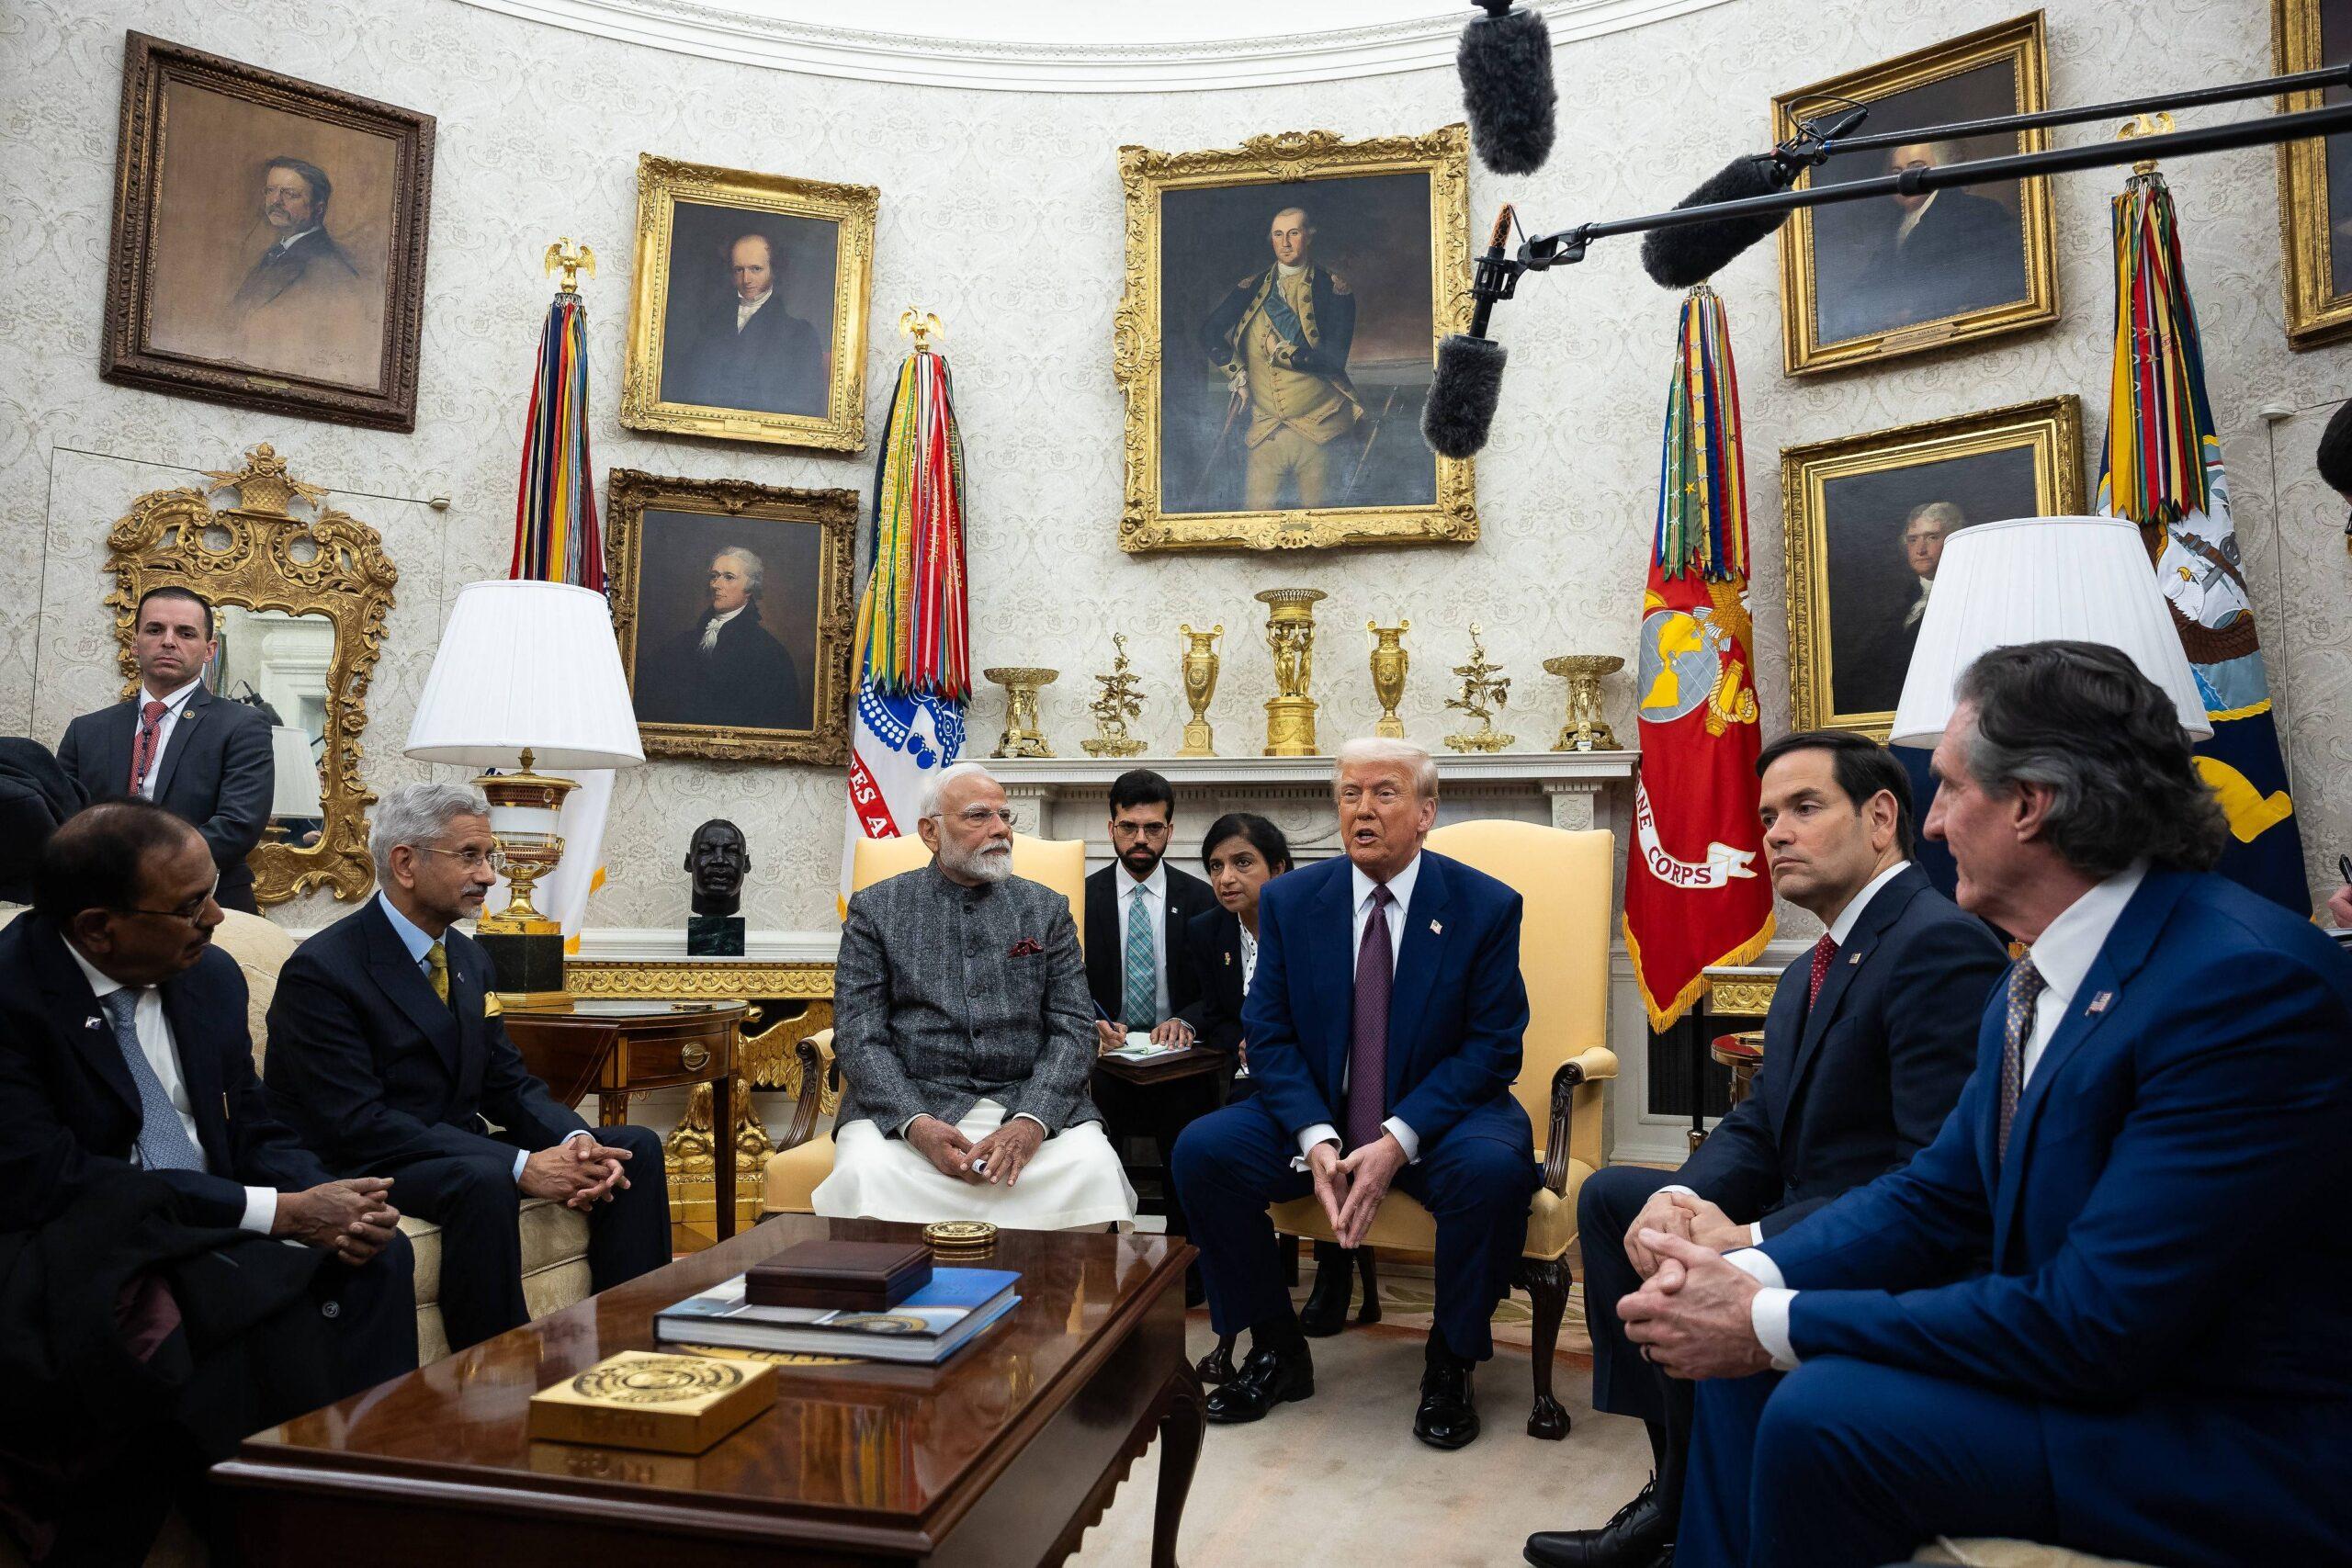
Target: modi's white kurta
1074, 1179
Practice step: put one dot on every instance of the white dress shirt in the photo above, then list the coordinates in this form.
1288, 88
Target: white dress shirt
412, 937
1919, 606
1152, 893
173, 704
710, 627
2063, 954
746, 309
1839, 929
1248, 973
1400, 888
162, 1053
1911, 220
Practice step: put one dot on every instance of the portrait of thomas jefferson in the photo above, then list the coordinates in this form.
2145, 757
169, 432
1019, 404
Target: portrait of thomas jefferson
727, 668
731, 337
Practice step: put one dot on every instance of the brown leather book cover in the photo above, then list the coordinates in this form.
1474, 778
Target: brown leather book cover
857, 1276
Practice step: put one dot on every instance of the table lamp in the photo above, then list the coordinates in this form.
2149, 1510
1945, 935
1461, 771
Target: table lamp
528, 675
2035, 580
294, 795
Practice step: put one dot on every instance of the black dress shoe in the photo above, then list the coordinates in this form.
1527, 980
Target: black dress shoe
1448, 1416
1633, 1538
1267, 1379
1326, 1312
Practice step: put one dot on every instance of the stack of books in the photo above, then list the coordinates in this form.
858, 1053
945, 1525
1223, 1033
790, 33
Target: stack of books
924, 1328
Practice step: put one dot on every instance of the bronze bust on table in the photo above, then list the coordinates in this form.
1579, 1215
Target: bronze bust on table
719, 859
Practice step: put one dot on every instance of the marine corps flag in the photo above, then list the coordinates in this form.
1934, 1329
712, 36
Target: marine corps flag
2163, 471
913, 644
1693, 895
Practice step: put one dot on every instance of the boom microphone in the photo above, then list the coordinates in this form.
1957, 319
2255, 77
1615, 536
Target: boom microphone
1469, 377
1505, 59
1686, 253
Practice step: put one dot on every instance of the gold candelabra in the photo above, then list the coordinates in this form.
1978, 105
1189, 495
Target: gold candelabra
1021, 683
1121, 699
1485, 691
1290, 633
1199, 669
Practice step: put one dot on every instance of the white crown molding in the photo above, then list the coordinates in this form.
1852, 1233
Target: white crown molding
717, 31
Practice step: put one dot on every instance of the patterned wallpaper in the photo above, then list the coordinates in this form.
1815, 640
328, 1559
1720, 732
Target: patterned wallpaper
1001, 211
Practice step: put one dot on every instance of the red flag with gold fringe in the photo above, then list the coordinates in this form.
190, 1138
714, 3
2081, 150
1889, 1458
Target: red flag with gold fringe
1693, 895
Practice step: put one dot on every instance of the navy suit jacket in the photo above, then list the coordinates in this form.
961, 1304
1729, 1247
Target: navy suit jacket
1454, 1017
69, 1111
2162, 1231
1856, 1086
378, 1072
216, 772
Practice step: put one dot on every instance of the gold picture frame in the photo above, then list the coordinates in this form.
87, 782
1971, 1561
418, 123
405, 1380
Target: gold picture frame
776, 689
697, 367
2319, 303
1417, 497
1890, 305
262, 554
1850, 508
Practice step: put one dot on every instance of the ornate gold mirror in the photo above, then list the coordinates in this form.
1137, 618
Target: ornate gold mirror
299, 592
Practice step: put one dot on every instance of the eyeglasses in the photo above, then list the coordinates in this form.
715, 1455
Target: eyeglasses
982, 816
1139, 829
470, 858
192, 911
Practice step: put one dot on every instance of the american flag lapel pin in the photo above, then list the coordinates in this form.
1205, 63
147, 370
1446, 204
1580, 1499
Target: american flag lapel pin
2098, 1002
1853, 958
1229, 961
92, 1022
1436, 929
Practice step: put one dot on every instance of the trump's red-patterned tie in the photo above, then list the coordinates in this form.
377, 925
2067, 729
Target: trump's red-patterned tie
1368, 1035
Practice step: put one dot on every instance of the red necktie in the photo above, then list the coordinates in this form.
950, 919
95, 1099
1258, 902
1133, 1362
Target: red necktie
1368, 1035
143, 755
1822, 952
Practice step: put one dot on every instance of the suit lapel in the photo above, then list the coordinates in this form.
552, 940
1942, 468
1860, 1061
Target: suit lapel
1784, 1022
1417, 964
1884, 909
1333, 965
118, 734
76, 1018
183, 732
405, 984
200, 1076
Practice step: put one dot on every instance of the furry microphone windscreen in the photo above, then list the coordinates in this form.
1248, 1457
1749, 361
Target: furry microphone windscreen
2335, 451
1462, 394
1506, 65
1693, 252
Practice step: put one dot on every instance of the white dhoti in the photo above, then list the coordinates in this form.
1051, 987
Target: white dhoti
1074, 1179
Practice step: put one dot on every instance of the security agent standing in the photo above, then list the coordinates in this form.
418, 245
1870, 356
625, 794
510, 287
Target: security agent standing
175, 743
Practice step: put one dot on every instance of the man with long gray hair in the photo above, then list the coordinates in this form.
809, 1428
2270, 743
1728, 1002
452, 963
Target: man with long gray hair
965, 1037
385, 1047
2097, 1311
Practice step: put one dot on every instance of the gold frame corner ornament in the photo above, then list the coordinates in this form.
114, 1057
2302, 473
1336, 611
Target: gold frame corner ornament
661, 183
2317, 314
259, 554
628, 493
1137, 354
2024, 41
2051, 427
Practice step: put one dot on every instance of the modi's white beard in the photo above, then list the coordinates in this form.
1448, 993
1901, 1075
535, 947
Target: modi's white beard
990, 862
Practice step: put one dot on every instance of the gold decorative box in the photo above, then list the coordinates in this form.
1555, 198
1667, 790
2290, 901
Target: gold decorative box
641, 1399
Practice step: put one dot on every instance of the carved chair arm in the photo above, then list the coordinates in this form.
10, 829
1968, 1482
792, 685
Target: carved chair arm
1588, 1067
819, 1073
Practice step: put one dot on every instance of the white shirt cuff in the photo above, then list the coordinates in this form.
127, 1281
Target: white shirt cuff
1757, 1266
1405, 1137
1678, 1187
1321, 1132
1024, 1116
522, 1158
1756, 1234
261, 1210
1768, 1314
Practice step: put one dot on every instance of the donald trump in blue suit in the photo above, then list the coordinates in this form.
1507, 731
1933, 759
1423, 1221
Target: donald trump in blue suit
2106, 1308
1383, 1027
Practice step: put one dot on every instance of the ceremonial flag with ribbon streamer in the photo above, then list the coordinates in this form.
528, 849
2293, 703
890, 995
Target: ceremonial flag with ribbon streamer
1693, 893
2163, 471
913, 638
557, 539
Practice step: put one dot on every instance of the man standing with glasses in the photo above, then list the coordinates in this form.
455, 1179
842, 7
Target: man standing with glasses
387, 1048
139, 1143
964, 1038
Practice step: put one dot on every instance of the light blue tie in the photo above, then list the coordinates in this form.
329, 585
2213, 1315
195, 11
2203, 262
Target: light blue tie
1139, 1001
162, 1139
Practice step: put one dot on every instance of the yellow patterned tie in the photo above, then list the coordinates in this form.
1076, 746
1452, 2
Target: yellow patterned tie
436, 963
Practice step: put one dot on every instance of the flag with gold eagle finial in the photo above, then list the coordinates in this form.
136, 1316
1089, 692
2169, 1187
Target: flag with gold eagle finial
1693, 893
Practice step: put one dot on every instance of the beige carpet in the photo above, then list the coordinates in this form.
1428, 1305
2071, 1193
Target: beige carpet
1339, 1479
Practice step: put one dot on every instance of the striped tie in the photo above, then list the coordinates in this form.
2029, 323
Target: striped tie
164, 1141
1138, 1001
2025, 985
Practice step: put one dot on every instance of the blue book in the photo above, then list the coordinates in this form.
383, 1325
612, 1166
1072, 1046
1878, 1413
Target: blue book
926, 1328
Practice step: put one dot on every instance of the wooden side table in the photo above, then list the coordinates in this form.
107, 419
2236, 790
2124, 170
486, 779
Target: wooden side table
620, 1047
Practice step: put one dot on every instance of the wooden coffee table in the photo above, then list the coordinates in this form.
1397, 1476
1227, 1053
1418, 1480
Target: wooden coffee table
1005, 1455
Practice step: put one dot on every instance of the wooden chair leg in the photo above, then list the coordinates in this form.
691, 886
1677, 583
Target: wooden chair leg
1547, 1291
1217, 1365
1370, 1311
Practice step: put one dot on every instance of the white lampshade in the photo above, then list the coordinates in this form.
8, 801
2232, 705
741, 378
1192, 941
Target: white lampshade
2033, 580
297, 789
527, 665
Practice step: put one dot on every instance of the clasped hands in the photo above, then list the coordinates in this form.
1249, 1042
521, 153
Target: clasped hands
998, 1157
580, 1172
1349, 1187
1693, 1315
354, 1219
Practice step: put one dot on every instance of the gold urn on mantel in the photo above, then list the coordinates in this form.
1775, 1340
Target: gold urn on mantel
1199, 667
1290, 634
1389, 663
1021, 683
1586, 730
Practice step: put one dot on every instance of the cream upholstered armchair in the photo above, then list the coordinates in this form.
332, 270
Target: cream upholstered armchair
805, 1156
1566, 880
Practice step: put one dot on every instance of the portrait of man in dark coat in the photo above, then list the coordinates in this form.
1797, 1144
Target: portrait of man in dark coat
728, 668
744, 349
